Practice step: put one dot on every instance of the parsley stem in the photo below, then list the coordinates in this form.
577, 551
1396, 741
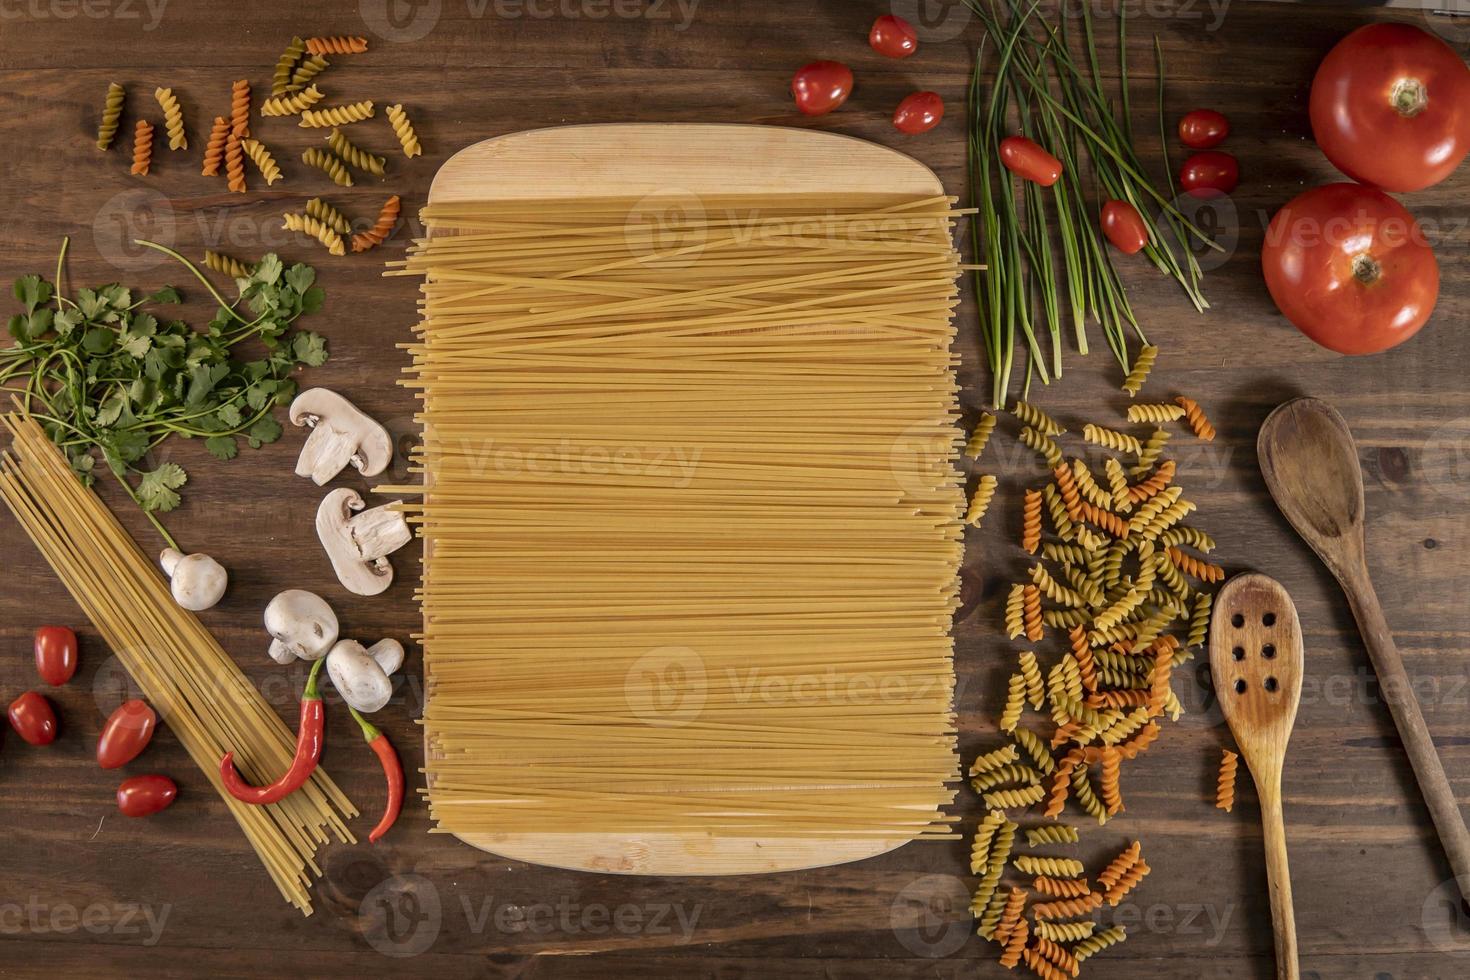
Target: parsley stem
197, 275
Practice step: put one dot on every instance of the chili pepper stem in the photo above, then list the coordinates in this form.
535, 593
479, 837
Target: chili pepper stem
369, 730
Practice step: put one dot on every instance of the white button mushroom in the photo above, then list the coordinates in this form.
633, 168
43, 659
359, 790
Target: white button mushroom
197, 581
359, 545
341, 433
361, 674
302, 626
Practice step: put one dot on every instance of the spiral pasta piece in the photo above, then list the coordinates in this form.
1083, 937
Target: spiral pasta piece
290, 105
1031, 674
1040, 965
142, 148
1013, 773
1139, 743
1195, 416
1098, 942
261, 157
980, 435
1168, 517
1014, 615
1156, 412
1199, 620
285, 65
1118, 483
1061, 887
1138, 374
980, 500
214, 150
330, 165
234, 164
1105, 519
1036, 749
1225, 786
1153, 507
1054, 590
1067, 487
308, 225
990, 916
1031, 521
1083, 793
226, 265
112, 109
1007, 799
1010, 916
1003, 756
336, 45
1153, 448
1056, 833
985, 832
1119, 866
1031, 613
355, 155
329, 216
1127, 883
307, 69
1060, 552
1010, 715
240, 108
1154, 485
1016, 945
337, 115
403, 129
1112, 439
1037, 419
1192, 566
379, 232
1052, 867
173, 118
1068, 908
1191, 536
1110, 783
1065, 932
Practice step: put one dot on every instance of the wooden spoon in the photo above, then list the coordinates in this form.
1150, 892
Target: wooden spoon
1256, 660
1311, 466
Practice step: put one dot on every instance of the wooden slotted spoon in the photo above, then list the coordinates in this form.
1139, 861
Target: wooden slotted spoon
1311, 466
1256, 661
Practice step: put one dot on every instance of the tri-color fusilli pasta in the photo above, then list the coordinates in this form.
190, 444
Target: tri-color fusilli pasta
112, 109
308, 225
403, 129
328, 164
337, 115
173, 118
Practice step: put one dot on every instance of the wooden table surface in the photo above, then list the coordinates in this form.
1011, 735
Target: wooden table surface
85, 892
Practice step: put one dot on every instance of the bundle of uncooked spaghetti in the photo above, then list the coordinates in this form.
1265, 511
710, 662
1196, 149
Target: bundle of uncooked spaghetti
198, 691
691, 515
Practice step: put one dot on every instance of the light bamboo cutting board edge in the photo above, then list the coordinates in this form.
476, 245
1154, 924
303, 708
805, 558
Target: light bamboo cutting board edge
673, 159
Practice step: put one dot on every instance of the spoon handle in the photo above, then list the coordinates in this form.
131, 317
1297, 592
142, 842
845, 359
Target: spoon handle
1394, 684
1278, 874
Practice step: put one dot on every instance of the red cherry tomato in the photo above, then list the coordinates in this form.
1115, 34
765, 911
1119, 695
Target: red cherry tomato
1390, 106
33, 718
1124, 227
127, 733
918, 113
893, 36
1209, 174
821, 86
1025, 159
1203, 128
56, 654
1350, 267
143, 796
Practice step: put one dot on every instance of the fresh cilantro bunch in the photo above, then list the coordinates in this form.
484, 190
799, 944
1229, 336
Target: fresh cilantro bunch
109, 374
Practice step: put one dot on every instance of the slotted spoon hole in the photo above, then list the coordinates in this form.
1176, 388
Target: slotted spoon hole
1238, 653
1271, 685
1269, 651
1237, 620
1240, 686
1269, 619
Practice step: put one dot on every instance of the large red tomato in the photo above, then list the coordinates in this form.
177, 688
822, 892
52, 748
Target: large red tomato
1350, 267
1391, 107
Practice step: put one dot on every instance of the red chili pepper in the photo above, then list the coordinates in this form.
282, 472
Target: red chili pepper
392, 769
308, 752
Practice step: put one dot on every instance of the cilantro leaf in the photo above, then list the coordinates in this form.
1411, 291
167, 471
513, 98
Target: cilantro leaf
32, 291
300, 277
156, 489
222, 447
310, 348
168, 294
266, 429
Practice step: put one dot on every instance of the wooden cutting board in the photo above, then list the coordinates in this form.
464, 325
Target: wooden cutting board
670, 162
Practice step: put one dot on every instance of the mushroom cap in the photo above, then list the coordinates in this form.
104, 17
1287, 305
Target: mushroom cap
197, 582
359, 678
359, 545
318, 406
302, 625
